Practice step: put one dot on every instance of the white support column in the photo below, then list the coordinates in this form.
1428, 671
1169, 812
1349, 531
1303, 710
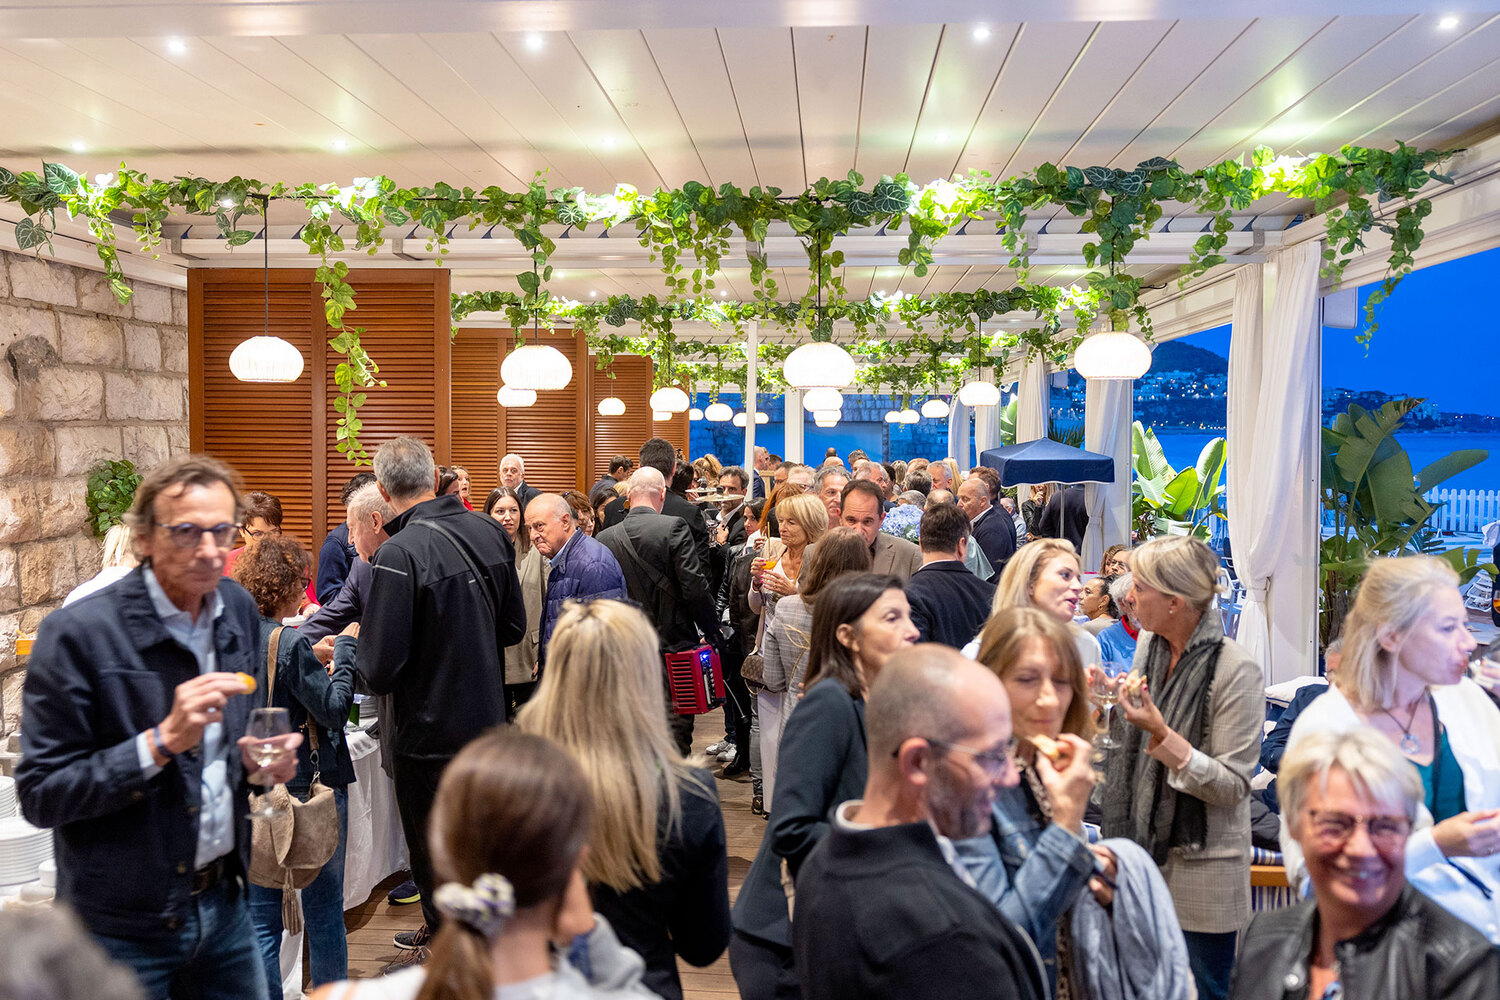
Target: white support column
958, 426
795, 421
752, 352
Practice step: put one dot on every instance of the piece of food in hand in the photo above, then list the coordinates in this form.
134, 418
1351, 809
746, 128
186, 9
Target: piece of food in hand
1047, 746
246, 680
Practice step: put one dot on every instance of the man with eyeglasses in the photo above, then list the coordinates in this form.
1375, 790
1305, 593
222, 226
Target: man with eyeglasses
885, 909
134, 749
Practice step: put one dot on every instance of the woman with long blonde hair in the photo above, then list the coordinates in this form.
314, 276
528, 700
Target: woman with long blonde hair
657, 865
1044, 574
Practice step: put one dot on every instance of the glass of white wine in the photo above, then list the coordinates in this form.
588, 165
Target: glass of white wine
266, 724
1104, 691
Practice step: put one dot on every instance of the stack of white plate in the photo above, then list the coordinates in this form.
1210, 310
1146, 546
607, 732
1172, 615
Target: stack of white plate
23, 848
8, 805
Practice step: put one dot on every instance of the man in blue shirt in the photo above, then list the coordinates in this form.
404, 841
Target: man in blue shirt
135, 752
337, 554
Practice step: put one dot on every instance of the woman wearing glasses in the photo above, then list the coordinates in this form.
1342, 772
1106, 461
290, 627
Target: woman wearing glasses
1405, 654
1349, 799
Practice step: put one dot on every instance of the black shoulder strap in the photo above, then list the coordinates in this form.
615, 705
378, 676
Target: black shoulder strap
480, 577
665, 605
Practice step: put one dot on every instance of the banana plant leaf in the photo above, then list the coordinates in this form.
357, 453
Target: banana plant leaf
1146, 453
1449, 466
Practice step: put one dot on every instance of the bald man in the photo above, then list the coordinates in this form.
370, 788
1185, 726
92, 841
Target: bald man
994, 531
882, 911
580, 569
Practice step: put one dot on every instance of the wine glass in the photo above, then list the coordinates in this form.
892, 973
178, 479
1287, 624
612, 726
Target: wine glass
266, 724
1104, 690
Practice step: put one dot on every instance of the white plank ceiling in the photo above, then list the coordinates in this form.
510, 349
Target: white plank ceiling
753, 92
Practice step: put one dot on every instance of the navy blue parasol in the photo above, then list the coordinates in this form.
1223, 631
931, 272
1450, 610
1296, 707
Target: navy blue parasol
1048, 461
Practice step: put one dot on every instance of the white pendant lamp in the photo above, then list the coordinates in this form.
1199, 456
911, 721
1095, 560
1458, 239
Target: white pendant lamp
826, 418
762, 418
536, 367
670, 400
739, 420
695, 414
979, 393
660, 416
818, 364
935, 409
611, 406
509, 395
1113, 355
893, 416
717, 412
822, 398
908, 416
266, 358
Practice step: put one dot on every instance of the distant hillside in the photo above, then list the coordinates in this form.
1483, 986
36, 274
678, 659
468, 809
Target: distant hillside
1177, 356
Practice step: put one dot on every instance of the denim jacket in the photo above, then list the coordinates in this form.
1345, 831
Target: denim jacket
1033, 871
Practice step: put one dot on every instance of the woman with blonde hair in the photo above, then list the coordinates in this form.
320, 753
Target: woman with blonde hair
509, 830
1034, 862
1032, 507
708, 468
1403, 674
657, 865
118, 560
1044, 575
1179, 782
801, 520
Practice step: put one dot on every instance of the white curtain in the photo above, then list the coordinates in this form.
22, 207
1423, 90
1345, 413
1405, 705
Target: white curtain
958, 429
1274, 392
1106, 429
1034, 393
986, 432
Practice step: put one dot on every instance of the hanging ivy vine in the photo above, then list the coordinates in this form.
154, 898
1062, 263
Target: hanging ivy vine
687, 232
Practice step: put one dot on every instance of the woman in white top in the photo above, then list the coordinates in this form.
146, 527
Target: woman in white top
509, 828
1044, 574
1405, 657
119, 560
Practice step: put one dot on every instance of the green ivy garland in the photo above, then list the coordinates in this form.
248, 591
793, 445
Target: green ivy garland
1119, 208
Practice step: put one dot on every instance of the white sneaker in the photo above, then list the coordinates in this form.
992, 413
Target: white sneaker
714, 749
727, 754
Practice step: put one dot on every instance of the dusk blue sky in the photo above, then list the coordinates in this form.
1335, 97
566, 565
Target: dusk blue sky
1437, 339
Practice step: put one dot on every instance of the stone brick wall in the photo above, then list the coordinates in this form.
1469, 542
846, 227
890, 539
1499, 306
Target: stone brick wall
83, 378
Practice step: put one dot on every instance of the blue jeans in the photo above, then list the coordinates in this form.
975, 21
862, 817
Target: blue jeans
1211, 957
322, 913
213, 957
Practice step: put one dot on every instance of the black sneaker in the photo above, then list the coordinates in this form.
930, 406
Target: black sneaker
414, 940
406, 892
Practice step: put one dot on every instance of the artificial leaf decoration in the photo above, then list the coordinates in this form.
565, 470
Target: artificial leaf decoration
29, 234
110, 493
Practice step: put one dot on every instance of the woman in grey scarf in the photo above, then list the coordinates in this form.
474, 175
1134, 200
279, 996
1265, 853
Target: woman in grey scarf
1179, 785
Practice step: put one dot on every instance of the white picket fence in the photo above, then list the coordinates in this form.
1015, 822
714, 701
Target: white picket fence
1464, 510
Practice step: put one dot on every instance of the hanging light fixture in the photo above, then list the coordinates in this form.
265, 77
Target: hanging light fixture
893, 416
660, 416
509, 395
1113, 355
266, 358
611, 406
695, 414
822, 362
670, 400
908, 416
936, 409
822, 398
739, 420
762, 418
536, 366
826, 418
979, 393
717, 412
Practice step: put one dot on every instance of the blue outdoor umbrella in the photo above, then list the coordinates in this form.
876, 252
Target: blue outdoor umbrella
1048, 461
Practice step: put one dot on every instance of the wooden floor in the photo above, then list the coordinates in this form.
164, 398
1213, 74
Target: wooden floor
372, 925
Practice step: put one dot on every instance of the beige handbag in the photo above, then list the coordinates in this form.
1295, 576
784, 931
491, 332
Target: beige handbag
290, 848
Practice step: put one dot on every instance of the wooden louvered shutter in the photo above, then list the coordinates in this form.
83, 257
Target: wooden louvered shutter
265, 432
622, 435
476, 414
405, 317
551, 435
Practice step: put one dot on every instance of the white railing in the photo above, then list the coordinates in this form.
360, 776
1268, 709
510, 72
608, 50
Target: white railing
1464, 510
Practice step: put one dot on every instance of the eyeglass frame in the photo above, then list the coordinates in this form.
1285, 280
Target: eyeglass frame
185, 541
1331, 844
994, 765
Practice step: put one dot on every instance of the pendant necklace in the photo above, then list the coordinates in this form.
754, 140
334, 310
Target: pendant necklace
1408, 743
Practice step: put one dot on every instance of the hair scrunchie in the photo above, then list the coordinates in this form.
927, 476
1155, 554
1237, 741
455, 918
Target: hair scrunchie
484, 906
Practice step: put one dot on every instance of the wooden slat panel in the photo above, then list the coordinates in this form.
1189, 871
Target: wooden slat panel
264, 431
476, 414
622, 435
550, 435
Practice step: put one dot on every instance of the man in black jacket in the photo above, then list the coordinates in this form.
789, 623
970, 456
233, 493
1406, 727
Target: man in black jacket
513, 474
882, 913
659, 454
665, 576
949, 604
444, 603
1065, 516
993, 530
133, 748
731, 534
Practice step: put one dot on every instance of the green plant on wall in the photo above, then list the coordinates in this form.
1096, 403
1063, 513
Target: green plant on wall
1376, 506
110, 493
1168, 502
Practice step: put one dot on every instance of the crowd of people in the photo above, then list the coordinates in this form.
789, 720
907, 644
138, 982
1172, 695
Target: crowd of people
951, 806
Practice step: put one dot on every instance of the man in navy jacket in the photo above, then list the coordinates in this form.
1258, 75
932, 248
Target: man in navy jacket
582, 569
133, 748
949, 604
994, 531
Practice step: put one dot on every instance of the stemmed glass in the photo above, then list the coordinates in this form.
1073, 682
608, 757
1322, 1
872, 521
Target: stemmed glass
266, 724
1104, 689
